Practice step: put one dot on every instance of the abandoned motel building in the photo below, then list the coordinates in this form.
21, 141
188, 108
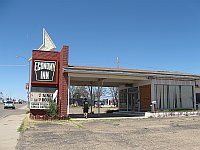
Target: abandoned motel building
139, 90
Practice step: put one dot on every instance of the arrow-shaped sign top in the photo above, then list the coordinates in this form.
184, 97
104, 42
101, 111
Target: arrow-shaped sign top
47, 44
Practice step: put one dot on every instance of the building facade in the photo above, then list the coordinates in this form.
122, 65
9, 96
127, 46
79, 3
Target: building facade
159, 94
139, 90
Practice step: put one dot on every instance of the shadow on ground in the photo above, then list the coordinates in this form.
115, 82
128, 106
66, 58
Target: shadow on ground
108, 115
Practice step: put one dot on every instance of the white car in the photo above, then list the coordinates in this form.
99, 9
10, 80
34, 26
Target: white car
9, 104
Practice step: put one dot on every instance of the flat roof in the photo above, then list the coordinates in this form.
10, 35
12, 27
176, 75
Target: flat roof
117, 76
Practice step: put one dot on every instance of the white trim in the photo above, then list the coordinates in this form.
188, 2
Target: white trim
68, 95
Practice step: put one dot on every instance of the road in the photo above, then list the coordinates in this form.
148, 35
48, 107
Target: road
7, 112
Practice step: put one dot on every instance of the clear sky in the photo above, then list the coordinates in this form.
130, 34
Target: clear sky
145, 34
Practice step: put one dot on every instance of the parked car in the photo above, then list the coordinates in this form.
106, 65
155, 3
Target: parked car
101, 103
9, 104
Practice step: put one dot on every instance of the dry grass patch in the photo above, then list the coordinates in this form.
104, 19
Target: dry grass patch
27, 123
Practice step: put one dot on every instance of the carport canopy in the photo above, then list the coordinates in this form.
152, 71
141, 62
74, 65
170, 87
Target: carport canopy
114, 77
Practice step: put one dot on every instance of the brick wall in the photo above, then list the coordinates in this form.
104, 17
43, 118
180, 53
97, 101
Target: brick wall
145, 98
63, 83
45, 54
37, 54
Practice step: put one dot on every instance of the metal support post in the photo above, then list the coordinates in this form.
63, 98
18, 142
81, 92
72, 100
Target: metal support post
98, 101
91, 99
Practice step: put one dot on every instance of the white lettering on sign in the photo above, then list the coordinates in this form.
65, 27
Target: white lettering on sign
44, 70
45, 66
44, 75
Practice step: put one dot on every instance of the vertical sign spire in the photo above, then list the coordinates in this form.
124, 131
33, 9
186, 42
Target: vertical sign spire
47, 44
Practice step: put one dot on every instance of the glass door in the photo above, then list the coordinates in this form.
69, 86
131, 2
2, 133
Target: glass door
136, 102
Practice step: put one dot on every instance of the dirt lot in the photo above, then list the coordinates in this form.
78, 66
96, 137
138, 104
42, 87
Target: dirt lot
79, 110
180, 133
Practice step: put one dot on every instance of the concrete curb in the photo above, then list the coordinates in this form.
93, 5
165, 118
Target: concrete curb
171, 114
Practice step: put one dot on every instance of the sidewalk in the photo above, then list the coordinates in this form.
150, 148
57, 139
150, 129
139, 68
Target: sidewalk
8, 130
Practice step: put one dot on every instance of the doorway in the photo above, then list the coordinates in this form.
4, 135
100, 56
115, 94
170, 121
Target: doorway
129, 99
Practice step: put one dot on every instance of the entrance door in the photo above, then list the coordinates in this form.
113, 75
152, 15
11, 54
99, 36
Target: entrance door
129, 99
133, 100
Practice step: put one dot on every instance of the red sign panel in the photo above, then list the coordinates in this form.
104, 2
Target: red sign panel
27, 86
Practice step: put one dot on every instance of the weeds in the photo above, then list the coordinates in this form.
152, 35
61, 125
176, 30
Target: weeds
21, 128
26, 123
76, 124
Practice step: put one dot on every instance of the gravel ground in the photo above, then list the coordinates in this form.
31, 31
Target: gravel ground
180, 133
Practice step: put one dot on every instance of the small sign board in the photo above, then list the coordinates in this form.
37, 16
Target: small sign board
27, 86
40, 100
153, 102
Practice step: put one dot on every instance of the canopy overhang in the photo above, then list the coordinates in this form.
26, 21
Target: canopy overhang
85, 76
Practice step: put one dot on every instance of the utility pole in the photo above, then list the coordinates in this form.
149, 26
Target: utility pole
117, 61
29, 77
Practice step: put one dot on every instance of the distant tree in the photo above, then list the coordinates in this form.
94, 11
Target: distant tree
102, 92
81, 91
72, 90
77, 92
114, 91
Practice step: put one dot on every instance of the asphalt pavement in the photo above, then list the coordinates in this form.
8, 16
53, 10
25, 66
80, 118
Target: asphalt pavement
10, 121
6, 112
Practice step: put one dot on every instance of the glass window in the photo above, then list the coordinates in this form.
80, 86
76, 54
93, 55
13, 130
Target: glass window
187, 97
174, 97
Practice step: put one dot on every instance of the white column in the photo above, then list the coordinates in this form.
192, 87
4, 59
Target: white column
68, 95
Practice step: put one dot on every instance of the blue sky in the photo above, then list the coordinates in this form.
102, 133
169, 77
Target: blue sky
144, 34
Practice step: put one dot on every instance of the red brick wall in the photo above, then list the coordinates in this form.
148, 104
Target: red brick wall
145, 98
37, 54
62, 58
63, 83
45, 54
39, 112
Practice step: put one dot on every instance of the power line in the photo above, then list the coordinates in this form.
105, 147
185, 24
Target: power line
13, 65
